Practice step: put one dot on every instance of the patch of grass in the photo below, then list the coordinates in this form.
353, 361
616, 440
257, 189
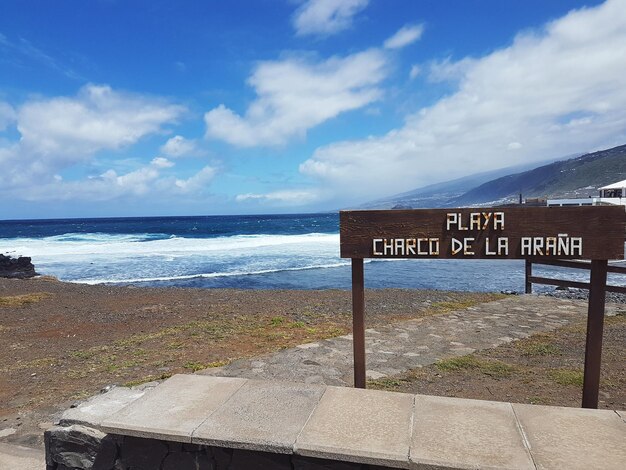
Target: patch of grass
215, 364
22, 300
194, 366
138, 339
82, 395
457, 363
146, 379
386, 383
277, 321
83, 354
493, 368
538, 348
461, 304
76, 374
43, 362
297, 324
567, 376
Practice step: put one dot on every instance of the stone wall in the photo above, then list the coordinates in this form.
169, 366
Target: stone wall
78, 447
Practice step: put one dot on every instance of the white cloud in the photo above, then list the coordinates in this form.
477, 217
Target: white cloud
105, 187
448, 70
98, 118
404, 36
178, 146
57, 133
326, 17
415, 71
294, 95
557, 91
161, 162
147, 180
198, 182
7, 115
288, 197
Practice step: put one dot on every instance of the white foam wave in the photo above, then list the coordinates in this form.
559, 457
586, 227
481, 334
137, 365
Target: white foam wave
96, 245
206, 275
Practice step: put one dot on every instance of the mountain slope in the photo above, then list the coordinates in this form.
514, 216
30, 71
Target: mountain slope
439, 194
576, 177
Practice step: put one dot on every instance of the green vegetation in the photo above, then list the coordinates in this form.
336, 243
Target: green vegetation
493, 368
146, 379
25, 299
555, 179
277, 321
567, 376
387, 383
539, 345
196, 366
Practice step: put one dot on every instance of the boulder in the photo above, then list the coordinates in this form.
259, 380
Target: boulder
16, 268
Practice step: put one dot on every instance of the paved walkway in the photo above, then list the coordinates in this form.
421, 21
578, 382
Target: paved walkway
401, 346
14, 457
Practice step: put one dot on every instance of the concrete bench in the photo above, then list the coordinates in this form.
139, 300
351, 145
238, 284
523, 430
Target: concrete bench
200, 422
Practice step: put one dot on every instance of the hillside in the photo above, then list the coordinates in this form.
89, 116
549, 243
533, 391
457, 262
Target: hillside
579, 176
439, 194
576, 177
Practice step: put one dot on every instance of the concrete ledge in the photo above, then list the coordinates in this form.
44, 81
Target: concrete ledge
174, 409
459, 433
363, 428
261, 416
573, 438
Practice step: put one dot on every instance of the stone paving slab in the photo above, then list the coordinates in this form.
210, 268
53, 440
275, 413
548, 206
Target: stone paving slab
393, 349
573, 438
14, 457
474, 434
362, 426
174, 409
261, 416
100, 407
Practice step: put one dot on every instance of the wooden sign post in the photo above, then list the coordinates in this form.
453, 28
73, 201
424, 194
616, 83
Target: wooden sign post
590, 233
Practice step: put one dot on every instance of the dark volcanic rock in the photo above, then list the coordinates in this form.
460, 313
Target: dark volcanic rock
17, 268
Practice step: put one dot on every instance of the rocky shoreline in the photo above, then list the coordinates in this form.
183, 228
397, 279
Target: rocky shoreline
16, 268
583, 294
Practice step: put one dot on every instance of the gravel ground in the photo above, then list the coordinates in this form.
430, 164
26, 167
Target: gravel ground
583, 294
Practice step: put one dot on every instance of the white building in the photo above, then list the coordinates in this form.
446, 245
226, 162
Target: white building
612, 194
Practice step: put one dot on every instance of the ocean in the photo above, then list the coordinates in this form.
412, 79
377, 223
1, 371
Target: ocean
298, 251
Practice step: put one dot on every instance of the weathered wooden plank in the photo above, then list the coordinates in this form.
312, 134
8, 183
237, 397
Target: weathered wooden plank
485, 233
558, 282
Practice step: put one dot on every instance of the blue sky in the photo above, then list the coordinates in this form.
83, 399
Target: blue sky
121, 108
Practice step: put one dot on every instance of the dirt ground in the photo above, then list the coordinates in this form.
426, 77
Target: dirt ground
545, 369
63, 342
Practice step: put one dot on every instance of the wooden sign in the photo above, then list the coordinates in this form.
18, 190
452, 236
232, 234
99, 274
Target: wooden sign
485, 233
